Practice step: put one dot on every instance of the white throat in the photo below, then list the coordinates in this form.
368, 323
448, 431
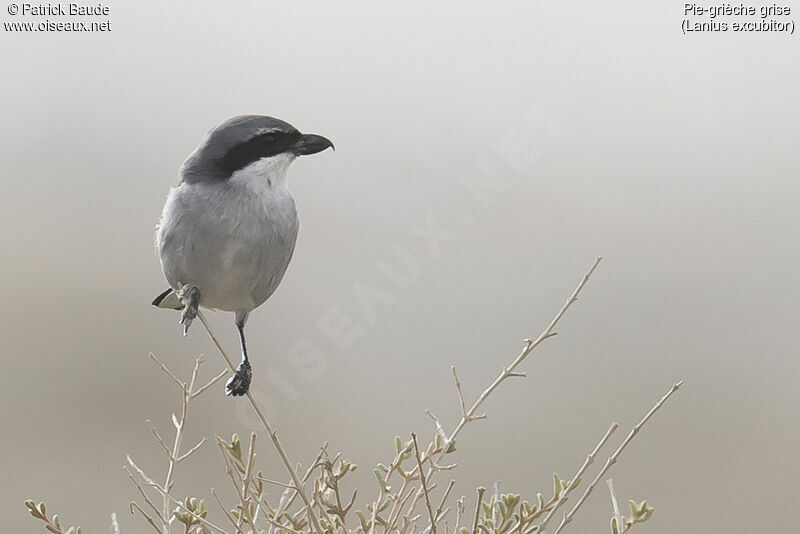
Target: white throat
265, 173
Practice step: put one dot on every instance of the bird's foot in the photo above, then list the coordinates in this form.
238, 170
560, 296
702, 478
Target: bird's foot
240, 381
192, 300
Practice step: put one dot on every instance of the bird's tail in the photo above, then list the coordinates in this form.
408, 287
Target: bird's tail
169, 300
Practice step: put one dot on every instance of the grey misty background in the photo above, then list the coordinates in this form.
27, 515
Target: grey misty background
674, 157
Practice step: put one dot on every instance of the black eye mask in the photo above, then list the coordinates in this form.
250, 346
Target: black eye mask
261, 146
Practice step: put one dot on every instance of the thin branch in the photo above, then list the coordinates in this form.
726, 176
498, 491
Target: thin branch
210, 383
158, 438
244, 511
190, 451
186, 396
424, 484
226, 512
272, 433
478, 510
575, 479
144, 495
439, 429
460, 393
230, 468
444, 498
134, 507
276, 483
166, 370
141, 473
613, 458
459, 513
286, 501
403, 502
468, 416
530, 345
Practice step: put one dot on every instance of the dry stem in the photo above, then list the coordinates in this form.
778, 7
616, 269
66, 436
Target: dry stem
273, 433
423, 484
573, 484
613, 458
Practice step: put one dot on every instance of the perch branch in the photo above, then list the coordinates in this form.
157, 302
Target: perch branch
273, 434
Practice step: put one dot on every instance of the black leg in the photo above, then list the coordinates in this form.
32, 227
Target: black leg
240, 327
240, 381
190, 310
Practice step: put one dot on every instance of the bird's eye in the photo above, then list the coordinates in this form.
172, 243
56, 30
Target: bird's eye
268, 140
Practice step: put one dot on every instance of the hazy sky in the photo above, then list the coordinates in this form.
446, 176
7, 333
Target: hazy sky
527, 138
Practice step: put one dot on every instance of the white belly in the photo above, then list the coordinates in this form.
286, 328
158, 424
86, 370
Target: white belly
230, 240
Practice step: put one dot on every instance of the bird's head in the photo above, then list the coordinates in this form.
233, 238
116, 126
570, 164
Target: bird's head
248, 141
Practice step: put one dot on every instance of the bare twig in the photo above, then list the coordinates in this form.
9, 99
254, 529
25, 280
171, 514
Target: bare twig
159, 439
464, 413
444, 498
423, 484
459, 513
144, 495
173, 451
507, 372
166, 370
134, 507
186, 392
478, 510
227, 514
244, 514
469, 415
210, 383
613, 458
190, 451
439, 429
273, 434
286, 501
562, 497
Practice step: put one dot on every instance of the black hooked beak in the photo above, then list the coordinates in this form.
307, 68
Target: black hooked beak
311, 144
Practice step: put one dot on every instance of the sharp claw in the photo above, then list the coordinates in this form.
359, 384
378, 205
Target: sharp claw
239, 383
190, 310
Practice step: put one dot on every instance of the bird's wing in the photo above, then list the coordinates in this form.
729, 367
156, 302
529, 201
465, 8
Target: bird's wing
168, 299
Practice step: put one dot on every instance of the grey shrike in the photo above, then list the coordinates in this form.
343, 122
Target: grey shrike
228, 229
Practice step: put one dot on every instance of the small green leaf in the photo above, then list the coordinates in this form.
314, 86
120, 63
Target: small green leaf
364, 523
557, 486
614, 528
380, 476
634, 508
236, 446
398, 444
